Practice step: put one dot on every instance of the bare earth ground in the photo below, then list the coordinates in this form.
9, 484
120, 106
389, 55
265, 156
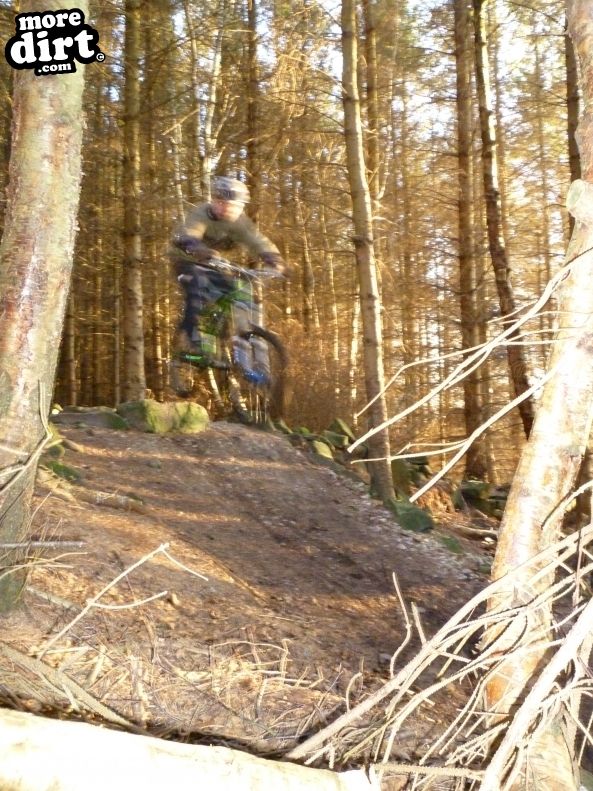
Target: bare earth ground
297, 598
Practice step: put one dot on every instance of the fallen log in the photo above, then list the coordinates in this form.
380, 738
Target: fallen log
40, 754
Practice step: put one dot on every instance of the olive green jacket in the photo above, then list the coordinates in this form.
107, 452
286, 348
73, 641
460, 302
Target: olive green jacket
220, 235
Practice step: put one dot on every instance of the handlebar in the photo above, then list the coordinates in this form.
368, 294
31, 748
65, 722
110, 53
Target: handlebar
222, 265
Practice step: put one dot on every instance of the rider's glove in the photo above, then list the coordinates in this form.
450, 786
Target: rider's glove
195, 247
273, 261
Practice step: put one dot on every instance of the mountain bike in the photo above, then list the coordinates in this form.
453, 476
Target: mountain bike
244, 362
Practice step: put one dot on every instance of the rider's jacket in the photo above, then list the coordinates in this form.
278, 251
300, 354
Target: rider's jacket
218, 235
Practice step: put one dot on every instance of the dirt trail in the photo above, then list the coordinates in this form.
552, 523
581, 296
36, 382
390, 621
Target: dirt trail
298, 597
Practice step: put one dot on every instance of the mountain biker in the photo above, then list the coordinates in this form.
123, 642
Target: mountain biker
209, 229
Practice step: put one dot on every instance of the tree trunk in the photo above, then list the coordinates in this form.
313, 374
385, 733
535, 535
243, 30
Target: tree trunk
550, 462
39, 754
365, 257
498, 254
353, 348
310, 311
209, 142
253, 131
475, 463
195, 173
544, 273
407, 275
35, 268
68, 362
333, 322
572, 114
372, 101
134, 378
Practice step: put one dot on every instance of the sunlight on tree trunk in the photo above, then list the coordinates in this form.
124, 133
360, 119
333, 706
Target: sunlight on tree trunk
253, 128
35, 267
475, 463
550, 462
572, 114
494, 216
134, 378
40, 754
365, 256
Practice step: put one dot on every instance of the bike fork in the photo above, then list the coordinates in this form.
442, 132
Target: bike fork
215, 391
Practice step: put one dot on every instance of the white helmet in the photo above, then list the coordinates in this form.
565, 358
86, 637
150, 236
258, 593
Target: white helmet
229, 189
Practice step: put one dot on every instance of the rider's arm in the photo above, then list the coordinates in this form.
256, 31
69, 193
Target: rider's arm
247, 235
188, 238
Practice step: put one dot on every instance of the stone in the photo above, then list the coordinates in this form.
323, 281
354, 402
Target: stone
410, 517
97, 417
339, 426
400, 475
335, 439
322, 449
153, 417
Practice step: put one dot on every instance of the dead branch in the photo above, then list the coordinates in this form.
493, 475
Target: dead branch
40, 754
110, 499
74, 691
528, 710
451, 637
474, 360
91, 602
42, 544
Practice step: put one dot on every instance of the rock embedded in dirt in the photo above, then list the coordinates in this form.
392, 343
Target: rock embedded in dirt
97, 417
172, 416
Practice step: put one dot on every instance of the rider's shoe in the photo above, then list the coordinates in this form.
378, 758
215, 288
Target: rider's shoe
191, 351
196, 356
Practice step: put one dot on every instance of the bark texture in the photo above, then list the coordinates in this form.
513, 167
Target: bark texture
572, 113
475, 463
134, 377
365, 255
494, 216
35, 268
51, 755
550, 462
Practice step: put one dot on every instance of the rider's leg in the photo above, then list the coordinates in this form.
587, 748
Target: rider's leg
195, 283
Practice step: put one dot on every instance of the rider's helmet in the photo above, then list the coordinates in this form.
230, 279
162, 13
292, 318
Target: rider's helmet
229, 189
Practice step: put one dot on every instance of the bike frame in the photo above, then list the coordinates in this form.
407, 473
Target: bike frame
240, 311
235, 341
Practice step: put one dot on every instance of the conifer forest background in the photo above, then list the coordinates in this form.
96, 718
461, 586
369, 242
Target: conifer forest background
253, 88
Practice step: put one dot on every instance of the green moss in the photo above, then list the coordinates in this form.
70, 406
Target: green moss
339, 426
400, 475
410, 517
156, 418
335, 439
322, 449
63, 471
452, 544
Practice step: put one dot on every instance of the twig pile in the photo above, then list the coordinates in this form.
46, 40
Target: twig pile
476, 750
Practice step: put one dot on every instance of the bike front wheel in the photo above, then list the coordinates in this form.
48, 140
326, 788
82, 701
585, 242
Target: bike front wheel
259, 394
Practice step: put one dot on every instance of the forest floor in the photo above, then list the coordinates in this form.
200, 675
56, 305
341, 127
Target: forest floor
274, 599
